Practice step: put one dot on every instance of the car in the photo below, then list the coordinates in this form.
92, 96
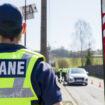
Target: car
77, 76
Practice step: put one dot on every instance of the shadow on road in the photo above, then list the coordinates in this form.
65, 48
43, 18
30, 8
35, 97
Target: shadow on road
74, 85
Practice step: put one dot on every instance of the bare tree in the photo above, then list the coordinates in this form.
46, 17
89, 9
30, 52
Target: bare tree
83, 34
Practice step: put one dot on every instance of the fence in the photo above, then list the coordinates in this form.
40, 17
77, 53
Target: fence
97, 71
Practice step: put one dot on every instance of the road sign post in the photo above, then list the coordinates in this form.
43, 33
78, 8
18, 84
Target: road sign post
28, 13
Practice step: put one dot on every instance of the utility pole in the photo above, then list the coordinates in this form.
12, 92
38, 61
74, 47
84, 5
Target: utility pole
44, 29
103, 36
25, 23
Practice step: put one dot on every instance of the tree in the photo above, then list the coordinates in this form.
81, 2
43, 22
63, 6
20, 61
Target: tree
61, 52
83, 34
89, 57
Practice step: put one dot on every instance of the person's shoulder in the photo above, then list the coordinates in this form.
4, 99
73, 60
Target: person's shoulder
42, 71
32, 53
44, 66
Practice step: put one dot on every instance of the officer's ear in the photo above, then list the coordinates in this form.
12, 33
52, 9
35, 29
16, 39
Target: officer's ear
0, 39
24, 28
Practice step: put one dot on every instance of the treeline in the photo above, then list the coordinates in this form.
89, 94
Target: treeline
61, 52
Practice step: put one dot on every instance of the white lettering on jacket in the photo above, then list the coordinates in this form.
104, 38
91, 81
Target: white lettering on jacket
3, 68
12, 68
20, 67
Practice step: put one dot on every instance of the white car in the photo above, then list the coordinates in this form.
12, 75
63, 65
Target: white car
77, 76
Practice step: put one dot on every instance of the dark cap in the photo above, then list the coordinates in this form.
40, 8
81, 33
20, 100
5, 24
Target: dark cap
10, 18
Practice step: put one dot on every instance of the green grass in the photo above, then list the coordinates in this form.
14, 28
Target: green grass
97, 61
76, 62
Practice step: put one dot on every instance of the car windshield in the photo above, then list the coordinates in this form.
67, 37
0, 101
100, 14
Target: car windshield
77, 71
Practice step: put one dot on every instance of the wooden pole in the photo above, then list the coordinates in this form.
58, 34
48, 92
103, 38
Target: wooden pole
43, 44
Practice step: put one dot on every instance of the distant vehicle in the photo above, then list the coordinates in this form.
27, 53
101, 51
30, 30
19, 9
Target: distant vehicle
77, 76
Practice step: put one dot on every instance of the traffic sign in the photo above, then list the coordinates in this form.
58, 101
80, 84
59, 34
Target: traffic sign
28, 11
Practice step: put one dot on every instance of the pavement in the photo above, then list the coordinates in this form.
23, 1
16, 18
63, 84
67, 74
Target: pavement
66, 95
91, 94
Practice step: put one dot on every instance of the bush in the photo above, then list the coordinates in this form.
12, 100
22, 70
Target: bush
63, 63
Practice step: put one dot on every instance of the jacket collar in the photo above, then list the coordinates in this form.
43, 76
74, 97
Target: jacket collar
5, 47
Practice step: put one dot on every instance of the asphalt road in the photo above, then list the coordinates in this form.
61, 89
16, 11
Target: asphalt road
88, 95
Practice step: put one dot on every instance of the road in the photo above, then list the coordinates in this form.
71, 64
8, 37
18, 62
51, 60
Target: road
88, 95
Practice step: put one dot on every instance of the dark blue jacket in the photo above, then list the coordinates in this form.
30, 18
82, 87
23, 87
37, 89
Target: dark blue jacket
43, 78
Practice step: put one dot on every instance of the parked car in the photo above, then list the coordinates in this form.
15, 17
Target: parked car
77, 76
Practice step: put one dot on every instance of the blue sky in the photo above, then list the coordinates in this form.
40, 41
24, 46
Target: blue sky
62, 16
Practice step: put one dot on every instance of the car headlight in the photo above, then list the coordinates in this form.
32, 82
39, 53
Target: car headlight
71, 78
86, 79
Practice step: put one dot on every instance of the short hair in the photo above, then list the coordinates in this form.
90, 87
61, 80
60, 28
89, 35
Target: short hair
10, 21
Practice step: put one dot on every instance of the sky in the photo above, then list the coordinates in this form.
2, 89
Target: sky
61, 18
